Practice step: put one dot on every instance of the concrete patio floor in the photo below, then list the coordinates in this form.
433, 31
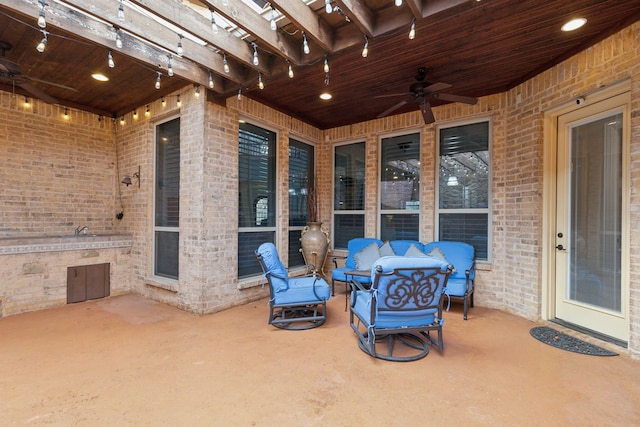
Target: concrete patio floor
129, 361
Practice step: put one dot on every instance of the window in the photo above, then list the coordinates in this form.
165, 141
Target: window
463, 185
400, 188
348, 193
256, 195
167, 199
301, 175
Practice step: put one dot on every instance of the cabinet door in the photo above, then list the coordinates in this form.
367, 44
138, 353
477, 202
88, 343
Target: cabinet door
97, 281
76, 284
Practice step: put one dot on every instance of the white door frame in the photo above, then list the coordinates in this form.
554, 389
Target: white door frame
548, 275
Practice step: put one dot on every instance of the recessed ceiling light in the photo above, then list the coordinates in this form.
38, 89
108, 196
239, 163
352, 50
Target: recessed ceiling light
326, 96
574, 24
100, 77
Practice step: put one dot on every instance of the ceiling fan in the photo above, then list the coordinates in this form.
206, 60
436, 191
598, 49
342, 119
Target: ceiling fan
421, 92
11, 73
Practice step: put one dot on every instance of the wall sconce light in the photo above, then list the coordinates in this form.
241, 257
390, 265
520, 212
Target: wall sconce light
127, 179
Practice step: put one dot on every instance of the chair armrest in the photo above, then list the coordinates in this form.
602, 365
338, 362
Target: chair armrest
356, 285
335, 259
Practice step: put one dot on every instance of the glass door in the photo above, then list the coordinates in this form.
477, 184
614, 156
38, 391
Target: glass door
590, 225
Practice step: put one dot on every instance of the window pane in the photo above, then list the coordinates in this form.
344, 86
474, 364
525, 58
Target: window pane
248, 242
300, 179
399, 227
464, 167
400, 174
347, 227
167, 203
166, 254
257, 203
468, 228
295, 256
348, 177
256, 177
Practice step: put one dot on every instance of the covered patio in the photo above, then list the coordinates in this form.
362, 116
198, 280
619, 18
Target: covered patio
128, 360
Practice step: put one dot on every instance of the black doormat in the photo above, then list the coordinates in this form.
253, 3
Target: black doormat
563, 341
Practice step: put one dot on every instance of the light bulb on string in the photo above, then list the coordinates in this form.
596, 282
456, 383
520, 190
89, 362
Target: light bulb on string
180, 50
163, 102
42, 22
110, 60
119, 39
327, 6
412, 31
178, 101
290, 70
398, 2
305, 44
170, 66
121, 11
157, 86
260, 82
225, 63
210, 80
147, 112
240, 94
326, 64
256, 61
365, 49
43, 43
197, 90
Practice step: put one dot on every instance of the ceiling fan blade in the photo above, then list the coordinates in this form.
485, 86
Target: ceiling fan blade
456, 98
389, 95
395, 107
53, 84
437, 86
37, 93
427, 113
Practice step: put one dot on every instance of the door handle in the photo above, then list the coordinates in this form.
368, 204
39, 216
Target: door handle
560, 248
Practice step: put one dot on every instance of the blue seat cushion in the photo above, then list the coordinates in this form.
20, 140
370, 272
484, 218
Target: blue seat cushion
339, 274
456, 287
279, 276
459, 254
301, 290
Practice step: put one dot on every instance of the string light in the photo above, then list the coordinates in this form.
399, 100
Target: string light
290, 70
170, 65
260, 82
225, 63
412, 32
121, 11
26, 102
178, 101
256, 61
274, 26
147, 112
305, 45
110, 60
240, 94
42, 22
398, 2
180, 49
197, 93
365, 49
122, 120
163, 102
135, 114
326, 64
43, 43
327, 6
119, 38
214, 26
158, 81
66, 113
210, 80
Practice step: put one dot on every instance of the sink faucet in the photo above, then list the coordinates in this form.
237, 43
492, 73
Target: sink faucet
82, 230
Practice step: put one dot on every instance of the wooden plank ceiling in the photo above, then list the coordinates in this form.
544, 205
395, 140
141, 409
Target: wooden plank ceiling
478, 47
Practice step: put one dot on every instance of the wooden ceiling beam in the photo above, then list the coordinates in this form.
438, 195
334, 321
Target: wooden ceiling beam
360, 15
306, 20
258, 27
156, 33
433, 7
103, 34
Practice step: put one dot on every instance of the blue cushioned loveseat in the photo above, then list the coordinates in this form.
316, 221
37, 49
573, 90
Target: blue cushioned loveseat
459, 254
